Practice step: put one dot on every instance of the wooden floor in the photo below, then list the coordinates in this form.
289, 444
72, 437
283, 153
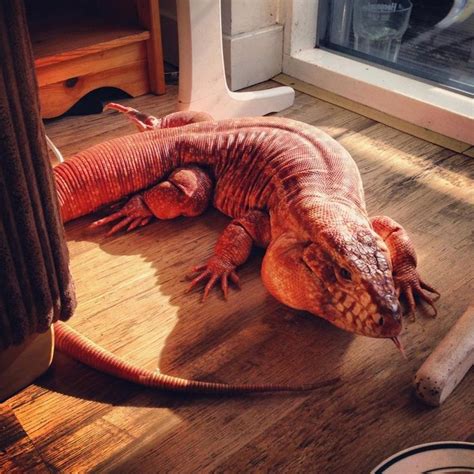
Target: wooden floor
132, 301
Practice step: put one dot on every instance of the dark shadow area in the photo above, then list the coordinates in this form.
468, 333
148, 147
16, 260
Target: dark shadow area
94, 101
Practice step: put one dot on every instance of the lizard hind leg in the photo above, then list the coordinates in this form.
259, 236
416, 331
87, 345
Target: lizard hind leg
405, 274
145, 122
186, 192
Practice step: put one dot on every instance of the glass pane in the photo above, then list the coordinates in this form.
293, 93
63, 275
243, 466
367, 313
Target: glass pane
430, 39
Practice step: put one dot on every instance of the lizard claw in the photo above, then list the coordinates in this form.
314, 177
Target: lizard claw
412, 287
212, 272
133, 214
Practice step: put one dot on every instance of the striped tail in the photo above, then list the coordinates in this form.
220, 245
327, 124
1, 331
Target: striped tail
79, 347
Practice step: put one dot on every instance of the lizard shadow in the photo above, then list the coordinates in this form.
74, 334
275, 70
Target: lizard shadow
251, 338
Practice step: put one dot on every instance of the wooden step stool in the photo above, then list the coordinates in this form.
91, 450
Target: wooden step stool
85, 45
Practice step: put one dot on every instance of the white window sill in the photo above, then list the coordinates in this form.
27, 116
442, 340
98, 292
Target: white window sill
411, 100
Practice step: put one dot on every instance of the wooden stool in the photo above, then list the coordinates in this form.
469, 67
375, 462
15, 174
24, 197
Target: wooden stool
90, 45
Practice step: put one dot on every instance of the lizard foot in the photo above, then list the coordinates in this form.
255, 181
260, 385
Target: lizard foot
133, 214
411, 287
211, 272
143, 121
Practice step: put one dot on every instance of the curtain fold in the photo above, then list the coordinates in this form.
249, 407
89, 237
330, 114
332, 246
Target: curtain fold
36, 288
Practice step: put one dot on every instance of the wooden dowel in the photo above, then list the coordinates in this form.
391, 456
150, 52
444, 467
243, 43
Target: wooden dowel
448, 363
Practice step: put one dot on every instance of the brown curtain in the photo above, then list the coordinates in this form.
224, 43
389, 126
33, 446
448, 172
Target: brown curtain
35, 284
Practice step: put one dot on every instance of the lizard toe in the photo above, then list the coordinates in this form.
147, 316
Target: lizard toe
145, 221
412, 289
407, 292
202, 276
429, 288
427, 299
212, 272
124, 222
210, 284
106, 220
235, 279
134, 224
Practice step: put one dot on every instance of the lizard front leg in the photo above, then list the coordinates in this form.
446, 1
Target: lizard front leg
232, 250
186, 192
145, 122
404, 261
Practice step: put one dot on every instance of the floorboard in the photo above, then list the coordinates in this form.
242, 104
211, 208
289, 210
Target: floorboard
131, 300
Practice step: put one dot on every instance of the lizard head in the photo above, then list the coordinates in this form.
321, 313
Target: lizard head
344, 276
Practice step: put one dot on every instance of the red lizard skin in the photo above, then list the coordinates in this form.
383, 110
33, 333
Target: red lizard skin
288, 186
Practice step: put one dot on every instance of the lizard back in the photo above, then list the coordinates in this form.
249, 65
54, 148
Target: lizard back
255, 163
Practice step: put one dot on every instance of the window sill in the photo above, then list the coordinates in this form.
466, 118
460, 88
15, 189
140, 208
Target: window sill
422, 104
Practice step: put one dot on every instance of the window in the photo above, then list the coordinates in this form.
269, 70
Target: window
422, 82
433, 40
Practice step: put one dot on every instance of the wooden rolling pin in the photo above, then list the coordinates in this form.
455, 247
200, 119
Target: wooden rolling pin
448, 363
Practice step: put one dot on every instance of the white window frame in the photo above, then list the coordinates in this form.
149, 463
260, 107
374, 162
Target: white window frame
414, 101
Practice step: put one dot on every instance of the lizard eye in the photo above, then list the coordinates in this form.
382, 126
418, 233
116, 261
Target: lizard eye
346, 274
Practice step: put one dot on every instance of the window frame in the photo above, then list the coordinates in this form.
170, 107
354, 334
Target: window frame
423, 104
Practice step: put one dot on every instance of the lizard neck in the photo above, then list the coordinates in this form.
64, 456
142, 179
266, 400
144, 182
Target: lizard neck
307, 218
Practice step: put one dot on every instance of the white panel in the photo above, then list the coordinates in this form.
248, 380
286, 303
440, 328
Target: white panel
243, 16
253, 57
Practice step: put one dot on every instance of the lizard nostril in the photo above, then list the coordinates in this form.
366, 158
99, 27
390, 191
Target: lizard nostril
381, 321
395, 310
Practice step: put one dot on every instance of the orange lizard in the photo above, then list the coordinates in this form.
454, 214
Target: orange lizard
287, 186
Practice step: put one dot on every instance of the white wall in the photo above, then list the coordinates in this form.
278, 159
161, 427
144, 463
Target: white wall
252, 39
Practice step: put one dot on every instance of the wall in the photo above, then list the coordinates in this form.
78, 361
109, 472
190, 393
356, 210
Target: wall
252, 39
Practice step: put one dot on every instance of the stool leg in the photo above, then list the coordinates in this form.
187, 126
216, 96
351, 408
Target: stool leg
202, 82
